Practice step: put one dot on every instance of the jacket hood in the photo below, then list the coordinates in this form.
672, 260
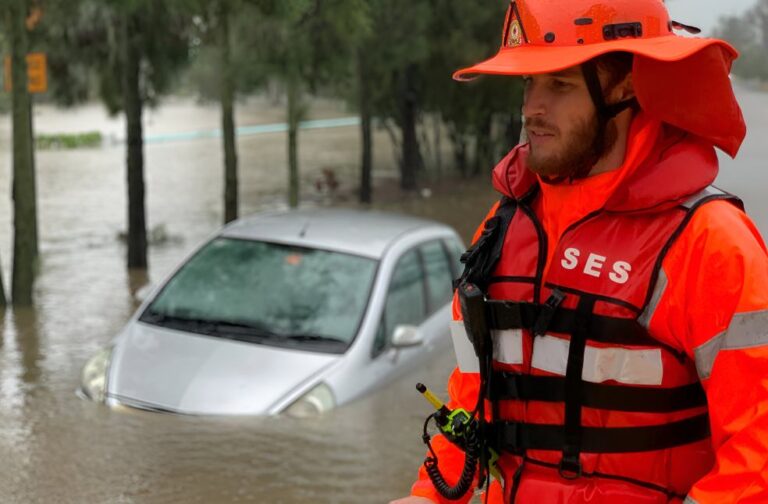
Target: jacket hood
663, 167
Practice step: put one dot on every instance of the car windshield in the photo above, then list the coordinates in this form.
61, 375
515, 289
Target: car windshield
268, 293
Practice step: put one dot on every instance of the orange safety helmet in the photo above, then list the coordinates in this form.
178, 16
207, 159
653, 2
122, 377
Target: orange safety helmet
683, 81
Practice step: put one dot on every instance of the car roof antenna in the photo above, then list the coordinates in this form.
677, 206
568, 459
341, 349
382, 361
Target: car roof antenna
303, 231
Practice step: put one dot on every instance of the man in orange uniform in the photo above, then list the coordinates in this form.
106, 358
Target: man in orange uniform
626, 298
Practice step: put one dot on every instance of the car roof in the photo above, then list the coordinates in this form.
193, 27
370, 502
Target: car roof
360, 232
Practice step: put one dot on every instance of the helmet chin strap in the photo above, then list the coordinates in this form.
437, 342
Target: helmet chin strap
605, 113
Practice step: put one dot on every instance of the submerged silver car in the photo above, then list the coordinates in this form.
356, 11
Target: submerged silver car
291, 312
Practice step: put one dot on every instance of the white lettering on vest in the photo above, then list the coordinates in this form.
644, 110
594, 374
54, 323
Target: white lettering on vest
571, 258
594, 265
620, 273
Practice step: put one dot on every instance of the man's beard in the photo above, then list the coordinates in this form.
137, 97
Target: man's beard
589, 142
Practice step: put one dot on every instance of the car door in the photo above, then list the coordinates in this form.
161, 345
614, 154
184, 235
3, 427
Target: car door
438, 279
419, 295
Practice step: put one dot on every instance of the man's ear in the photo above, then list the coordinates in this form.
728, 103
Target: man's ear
624, 90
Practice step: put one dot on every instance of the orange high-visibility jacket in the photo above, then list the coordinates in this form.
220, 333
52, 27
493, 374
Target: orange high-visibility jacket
709, 305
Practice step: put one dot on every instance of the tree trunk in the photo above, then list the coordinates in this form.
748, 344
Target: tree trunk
3, 301
762, 12
228, 119
458, 140
23, 178
410, 159
514, 133
132, 103
33, 171
366, 165
484, 146
294, 116
438, 142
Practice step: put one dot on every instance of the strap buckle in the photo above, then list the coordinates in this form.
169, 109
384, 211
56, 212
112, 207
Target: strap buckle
570, 467
548, 310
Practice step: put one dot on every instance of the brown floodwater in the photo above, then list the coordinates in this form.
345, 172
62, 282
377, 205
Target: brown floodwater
56, 447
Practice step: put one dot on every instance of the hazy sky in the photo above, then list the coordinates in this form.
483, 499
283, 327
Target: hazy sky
705, 13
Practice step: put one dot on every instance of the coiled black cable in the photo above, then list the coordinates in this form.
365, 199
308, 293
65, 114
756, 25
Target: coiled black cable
472, 454
473, 438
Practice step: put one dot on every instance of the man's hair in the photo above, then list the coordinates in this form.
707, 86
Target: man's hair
616, 65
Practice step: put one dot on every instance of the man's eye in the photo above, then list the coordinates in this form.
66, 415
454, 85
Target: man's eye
558, 84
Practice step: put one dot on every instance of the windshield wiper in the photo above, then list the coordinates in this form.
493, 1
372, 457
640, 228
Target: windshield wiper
207, 326
315, 337
250, 331
241, 328
154, 317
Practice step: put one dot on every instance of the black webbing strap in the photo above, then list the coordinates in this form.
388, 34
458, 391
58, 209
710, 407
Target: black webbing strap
481, 258
514, 437
570, 466
511, 315
620, 331
507, 386
605, 111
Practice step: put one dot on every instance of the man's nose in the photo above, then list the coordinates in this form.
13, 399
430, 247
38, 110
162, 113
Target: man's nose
534, 103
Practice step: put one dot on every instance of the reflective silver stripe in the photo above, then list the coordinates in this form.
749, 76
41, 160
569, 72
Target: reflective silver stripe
658, 291
689, 500
508, 346
746, 330
706, 193
705, 355
465, 352
628, 366
550, 354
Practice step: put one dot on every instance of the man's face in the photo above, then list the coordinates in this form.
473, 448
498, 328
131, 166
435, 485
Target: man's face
562, 125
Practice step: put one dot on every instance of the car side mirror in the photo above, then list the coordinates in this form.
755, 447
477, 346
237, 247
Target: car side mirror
406, 336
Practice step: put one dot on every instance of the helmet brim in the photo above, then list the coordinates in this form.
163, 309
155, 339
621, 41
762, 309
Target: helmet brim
529, 59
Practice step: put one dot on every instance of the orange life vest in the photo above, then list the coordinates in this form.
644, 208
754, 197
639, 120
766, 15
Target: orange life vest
580, 388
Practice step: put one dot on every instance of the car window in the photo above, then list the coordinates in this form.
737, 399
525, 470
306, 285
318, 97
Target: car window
282, 294
439, 274
455, 251
406, 298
